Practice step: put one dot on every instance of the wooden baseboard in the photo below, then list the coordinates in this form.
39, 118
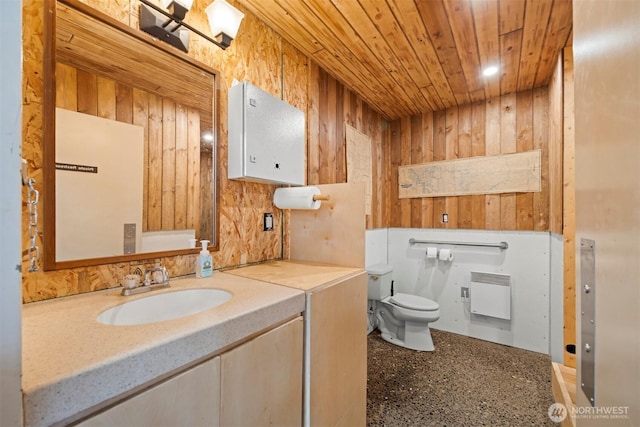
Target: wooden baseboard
563, 384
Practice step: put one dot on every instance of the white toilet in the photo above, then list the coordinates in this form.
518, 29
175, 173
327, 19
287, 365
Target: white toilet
403, 319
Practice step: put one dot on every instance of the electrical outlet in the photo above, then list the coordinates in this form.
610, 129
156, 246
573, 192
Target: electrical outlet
445, 217
464, 292
268, 222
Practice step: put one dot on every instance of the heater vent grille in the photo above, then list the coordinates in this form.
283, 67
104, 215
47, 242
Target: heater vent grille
490, 278
490, 294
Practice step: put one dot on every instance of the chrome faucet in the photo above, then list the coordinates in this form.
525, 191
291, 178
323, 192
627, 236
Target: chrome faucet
154, 278
157, 275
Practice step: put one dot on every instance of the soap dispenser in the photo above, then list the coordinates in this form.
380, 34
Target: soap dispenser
204, 263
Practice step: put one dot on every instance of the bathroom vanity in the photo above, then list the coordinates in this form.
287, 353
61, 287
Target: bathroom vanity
335, 373
251, 360
207, 368
217, 391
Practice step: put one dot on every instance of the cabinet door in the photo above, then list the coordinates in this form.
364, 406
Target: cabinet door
262, 379
191, 398
338, 354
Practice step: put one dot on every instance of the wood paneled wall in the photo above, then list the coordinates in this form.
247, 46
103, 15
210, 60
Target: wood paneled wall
512, 123
569, 203
261, 57
508, 124
331, 107
556, 131
171, 198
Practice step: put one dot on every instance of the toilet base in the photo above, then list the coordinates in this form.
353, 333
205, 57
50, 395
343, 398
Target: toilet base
417, 336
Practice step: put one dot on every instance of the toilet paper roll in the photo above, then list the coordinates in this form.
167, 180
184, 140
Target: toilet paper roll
445, 255
432, 253
296, 198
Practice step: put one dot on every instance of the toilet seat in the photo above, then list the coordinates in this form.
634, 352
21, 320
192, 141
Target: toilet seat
414, 302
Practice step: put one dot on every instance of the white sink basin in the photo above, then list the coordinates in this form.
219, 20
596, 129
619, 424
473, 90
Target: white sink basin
165, 306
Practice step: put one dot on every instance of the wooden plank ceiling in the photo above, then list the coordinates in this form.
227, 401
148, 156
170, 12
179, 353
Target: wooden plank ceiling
405, 57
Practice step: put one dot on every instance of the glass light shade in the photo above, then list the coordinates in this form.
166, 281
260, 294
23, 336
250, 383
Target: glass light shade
224, 18
184, 3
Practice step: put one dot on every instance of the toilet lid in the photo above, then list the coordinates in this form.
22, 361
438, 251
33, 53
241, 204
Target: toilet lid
379, 269
414, 302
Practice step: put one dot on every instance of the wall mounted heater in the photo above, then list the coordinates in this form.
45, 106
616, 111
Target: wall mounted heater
490, 294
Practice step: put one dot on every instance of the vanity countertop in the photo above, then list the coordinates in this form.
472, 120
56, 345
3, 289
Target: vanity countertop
302, 275
71, 363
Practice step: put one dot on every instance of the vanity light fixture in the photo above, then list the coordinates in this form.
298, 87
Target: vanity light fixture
168, 25
178, 8
224, 20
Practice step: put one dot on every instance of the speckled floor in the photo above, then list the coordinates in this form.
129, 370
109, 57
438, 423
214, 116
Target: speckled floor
464, 382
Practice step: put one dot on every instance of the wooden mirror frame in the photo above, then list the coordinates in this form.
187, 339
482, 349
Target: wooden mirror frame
48, 138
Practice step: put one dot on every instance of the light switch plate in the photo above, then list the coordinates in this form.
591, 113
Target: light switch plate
129, 243
268, 222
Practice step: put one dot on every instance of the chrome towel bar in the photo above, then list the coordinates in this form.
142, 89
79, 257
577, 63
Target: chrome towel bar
501, 245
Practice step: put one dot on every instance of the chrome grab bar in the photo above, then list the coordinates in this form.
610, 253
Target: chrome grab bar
501, 245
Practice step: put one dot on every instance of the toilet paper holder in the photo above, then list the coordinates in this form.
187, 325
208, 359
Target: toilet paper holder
431, 252
299, 198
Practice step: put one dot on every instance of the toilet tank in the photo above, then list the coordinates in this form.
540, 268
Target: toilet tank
380, 276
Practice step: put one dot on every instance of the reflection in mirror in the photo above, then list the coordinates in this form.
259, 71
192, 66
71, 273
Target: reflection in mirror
134, 154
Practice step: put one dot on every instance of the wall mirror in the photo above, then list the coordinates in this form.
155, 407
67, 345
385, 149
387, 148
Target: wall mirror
129, 143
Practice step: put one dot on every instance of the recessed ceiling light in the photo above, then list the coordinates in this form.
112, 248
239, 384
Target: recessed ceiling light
490, 71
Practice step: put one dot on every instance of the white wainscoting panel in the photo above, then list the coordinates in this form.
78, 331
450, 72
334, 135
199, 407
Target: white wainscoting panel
376, 245
527, 260
556, 298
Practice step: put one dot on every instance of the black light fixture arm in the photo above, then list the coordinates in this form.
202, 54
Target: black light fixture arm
222, 45
177, 26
